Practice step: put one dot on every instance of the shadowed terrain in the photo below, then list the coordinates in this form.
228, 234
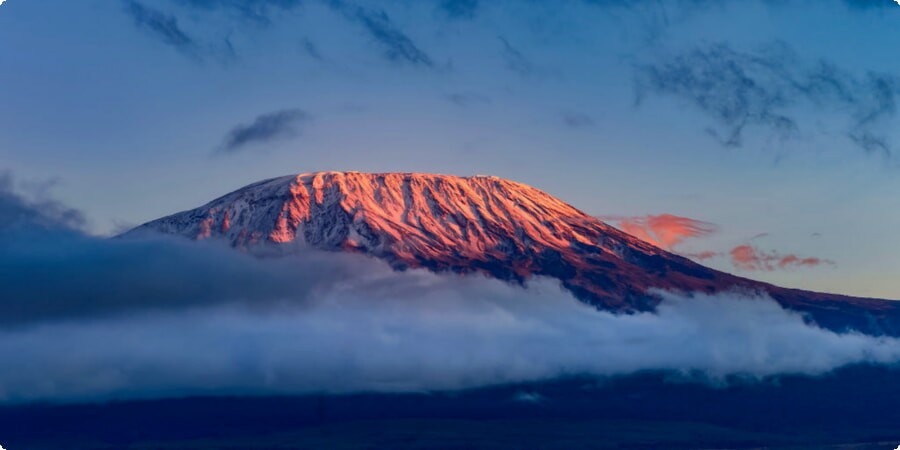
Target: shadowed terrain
855, 407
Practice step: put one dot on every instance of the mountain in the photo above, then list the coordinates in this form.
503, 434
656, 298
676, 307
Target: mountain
485, 224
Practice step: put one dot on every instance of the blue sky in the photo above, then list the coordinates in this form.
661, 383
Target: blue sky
761, 117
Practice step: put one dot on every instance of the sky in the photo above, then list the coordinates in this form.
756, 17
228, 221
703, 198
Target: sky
756, 136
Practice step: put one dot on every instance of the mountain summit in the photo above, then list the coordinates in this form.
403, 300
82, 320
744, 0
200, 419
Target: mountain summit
485, 224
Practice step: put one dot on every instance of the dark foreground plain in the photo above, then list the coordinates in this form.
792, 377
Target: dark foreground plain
853, 408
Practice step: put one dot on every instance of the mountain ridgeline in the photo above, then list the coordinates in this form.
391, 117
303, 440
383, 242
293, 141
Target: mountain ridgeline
485, 224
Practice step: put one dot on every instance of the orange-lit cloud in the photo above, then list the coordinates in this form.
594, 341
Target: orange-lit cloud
663, 230
748, 257
702, 256
667, 231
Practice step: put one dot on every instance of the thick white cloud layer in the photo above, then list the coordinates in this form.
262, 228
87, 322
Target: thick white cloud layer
413, 332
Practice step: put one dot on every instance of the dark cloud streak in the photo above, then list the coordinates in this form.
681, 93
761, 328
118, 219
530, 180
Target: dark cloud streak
459, 9
870, 4
466, 99
163, 26
516, 60
311, 49
259, 11
575, 119
398, 47
265, 128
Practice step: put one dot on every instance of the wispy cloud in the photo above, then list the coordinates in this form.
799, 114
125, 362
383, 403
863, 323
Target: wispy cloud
654, 17
311, 49
516, 60
166, 27
871, 4
751, 258
459, 9
576, 119
398, 47
265, 128
161, 25
259, 11
663, 230
467, 99
703, 255
761, 89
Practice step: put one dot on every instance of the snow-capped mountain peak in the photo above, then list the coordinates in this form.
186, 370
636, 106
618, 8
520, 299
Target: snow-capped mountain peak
484, 224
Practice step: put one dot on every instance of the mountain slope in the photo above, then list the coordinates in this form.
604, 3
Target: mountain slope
482, 224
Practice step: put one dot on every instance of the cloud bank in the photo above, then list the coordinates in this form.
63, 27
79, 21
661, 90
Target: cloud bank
420, 337
85, 318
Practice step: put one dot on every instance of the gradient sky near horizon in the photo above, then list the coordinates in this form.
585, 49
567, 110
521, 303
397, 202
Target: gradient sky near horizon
772, 123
